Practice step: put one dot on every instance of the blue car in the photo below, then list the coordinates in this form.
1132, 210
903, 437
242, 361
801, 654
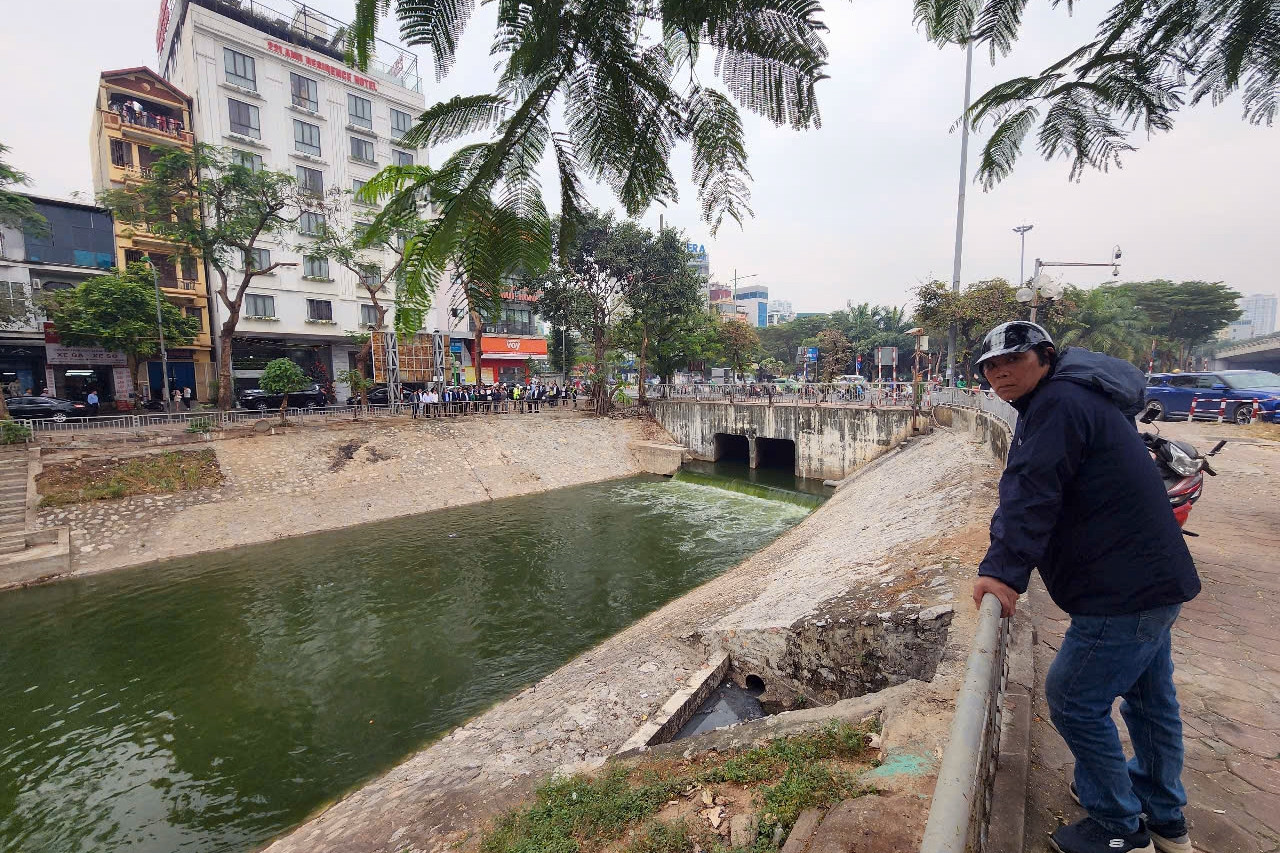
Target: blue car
1172, 393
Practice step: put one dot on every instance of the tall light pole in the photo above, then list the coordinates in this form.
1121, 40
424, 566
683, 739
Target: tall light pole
1021, 231
164, 356
964, 180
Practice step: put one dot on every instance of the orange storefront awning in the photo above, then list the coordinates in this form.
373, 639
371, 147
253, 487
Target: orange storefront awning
497, 344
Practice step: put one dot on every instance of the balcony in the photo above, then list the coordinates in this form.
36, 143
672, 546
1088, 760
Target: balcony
148, 125
509, 328
184, 284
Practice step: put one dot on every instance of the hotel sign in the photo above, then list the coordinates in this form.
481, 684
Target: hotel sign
320, 65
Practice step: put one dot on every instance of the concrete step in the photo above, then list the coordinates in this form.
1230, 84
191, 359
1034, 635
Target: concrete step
12, 543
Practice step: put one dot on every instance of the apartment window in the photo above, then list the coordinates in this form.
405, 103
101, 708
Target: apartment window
315, 267
310, 223
240, 69
252, 162
244, 119
319, 309
400, 123
362, 149
306, 138
359, 111
368, 315
188, 266
121, 153
401, 158
310, 180
371, 277
13, 296
257, 305
304, 91
259, 260
197, 314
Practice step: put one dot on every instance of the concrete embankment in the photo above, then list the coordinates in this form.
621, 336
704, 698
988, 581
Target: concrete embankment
325, 477
884, 567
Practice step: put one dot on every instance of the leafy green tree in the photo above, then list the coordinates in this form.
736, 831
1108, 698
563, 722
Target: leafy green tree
1103, 319
283, 376
1184, 314
1147, 61
360, 385
660, 293
620, 74
118, 312
693, 338
242, 210
16, 210
562, 350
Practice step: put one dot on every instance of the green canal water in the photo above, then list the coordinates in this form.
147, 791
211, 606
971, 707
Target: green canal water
209, 703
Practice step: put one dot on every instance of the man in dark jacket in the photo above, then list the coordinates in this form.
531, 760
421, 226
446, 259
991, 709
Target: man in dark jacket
1082, 501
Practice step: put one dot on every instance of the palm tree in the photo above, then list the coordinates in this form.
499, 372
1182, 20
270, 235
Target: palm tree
1103, 321
1149, 60
621, 75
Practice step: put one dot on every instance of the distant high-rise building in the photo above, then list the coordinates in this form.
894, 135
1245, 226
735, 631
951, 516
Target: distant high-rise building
755, 301
699, 263
780, 312
1259, 313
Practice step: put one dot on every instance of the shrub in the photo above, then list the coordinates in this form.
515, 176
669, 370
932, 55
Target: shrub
12, 432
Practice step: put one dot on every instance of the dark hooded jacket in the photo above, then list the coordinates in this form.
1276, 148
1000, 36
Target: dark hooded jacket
1081, 499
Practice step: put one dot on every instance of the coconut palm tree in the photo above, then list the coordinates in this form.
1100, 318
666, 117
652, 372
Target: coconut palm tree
1103, 321
611, 87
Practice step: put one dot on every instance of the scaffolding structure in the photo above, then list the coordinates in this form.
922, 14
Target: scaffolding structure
414, 360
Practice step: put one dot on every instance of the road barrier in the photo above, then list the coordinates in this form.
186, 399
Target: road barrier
1209, 412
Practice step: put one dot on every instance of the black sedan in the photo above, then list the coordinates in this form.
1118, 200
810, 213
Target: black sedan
255, 398
378, 396
45, 407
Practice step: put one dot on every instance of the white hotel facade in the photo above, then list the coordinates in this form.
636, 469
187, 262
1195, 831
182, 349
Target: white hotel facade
270, 84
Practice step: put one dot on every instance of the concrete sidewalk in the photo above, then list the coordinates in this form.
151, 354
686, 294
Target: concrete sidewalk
1226, 649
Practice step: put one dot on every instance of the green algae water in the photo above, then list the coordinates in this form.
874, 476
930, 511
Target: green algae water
212, 702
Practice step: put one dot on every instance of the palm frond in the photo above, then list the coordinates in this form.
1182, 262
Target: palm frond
456, 117
719, 158
1005, 144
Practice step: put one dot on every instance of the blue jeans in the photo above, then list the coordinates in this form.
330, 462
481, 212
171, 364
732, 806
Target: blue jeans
1103, 657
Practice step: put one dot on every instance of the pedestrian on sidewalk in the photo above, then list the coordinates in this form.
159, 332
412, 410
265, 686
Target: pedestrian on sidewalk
1082, 501
92, 400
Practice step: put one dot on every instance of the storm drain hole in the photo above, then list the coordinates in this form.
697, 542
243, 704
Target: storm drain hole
755, 685
726, 705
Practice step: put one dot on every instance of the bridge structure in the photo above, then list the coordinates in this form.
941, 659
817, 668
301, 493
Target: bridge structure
1262, 353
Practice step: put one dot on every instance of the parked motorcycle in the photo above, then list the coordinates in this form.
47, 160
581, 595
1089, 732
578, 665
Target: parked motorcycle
1182, 467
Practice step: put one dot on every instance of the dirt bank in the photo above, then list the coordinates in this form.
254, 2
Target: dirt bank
321, 478
904, 536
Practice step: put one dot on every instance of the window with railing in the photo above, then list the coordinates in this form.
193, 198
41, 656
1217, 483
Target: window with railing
401, 158
315, 266
304, 91
401, 122
311, 223
306, 138
359, 111
121, 153
310, 180
244, 119
13, 298
320, 310
362, 150
259, 305
241, 69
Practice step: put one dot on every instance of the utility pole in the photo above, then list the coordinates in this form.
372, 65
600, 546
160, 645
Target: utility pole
735, 281
964, 180
164, 356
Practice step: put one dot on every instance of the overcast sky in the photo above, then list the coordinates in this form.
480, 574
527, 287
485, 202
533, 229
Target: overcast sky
861, 210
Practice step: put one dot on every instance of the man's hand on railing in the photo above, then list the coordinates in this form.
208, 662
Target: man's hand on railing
1008, 595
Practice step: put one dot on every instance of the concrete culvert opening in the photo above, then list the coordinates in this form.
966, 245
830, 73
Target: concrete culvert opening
754, 684
776, 453
734, 448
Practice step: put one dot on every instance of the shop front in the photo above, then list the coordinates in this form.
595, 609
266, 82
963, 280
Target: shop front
72, 372
21, 368
250, 356
509, 359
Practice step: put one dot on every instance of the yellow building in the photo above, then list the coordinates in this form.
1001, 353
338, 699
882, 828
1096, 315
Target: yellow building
137, 112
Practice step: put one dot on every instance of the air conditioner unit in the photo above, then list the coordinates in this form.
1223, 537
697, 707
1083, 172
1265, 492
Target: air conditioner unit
35, 284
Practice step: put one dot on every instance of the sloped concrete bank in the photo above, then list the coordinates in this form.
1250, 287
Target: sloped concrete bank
889, 556
317, 478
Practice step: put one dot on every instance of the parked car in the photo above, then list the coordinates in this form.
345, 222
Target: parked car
378, 396
45, 407
256, 398
1172, 393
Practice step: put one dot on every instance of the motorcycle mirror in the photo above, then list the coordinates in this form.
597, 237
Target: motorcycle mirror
1217, 447
1149, 414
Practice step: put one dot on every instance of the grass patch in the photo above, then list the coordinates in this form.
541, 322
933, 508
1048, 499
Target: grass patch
1258, 429
97, 480
616, 810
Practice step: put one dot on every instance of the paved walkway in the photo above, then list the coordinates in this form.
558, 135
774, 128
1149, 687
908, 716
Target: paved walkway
1226, 650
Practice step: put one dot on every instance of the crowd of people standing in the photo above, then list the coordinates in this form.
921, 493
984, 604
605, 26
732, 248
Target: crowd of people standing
489, 399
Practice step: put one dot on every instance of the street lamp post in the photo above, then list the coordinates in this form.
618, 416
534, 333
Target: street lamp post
964, 179
1021, 231
164, 356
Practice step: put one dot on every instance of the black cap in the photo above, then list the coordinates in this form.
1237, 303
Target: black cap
1015, 336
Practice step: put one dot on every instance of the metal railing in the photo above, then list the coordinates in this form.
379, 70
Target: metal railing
985, 401
961, 808
899, 394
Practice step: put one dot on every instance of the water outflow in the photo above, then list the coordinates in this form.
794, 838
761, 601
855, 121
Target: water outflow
210, 703
746, 487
